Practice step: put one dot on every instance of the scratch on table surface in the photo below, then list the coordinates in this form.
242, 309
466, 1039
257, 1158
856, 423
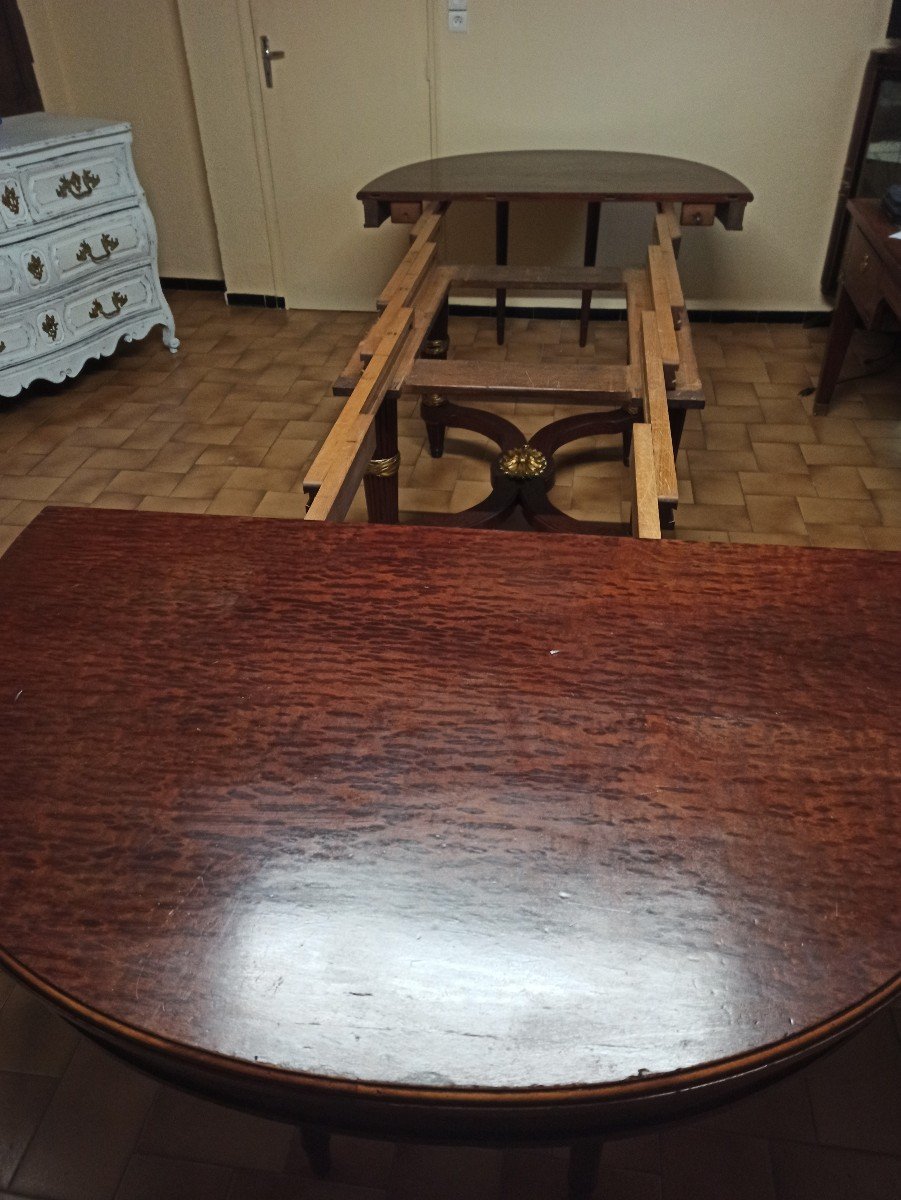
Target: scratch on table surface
199, 881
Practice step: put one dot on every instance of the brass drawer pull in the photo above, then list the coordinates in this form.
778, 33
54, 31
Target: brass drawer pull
50, 326
119, 300
85, 252
77, 186
10, 199
36, 267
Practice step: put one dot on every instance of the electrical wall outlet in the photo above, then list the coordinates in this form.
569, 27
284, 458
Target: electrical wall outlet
457, 21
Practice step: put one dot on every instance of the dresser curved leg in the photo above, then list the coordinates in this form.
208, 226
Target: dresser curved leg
170, 341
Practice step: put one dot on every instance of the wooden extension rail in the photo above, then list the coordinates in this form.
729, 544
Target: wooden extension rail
338, 469
408, 306
660, 379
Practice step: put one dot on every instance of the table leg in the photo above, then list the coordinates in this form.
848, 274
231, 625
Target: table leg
844, 320
584, 1161
380, 480
592, 224
436, 346
676, 426
501, 228
316, 1145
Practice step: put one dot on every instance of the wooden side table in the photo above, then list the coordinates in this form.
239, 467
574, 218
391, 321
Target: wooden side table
870, 289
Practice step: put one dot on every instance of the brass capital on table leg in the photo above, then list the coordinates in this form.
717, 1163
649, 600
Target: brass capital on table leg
435, 400
384, 468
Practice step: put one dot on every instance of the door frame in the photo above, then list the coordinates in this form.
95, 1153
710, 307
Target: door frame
22, 60
236, 148
253, 77
255, 83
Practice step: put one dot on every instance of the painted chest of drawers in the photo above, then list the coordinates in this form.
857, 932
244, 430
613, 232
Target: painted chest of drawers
78, 268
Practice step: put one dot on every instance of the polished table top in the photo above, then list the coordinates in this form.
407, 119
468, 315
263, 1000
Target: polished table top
573, 174
400, 811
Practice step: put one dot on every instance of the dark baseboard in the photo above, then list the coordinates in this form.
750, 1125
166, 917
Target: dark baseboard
539, 312
254, 300
812, 318
193, 285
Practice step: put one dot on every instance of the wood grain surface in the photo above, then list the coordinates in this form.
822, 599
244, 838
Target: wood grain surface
424, 812
575, 174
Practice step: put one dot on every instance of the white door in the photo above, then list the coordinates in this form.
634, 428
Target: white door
349, 100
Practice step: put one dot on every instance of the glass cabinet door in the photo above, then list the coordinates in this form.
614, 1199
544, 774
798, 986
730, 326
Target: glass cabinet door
881, 164
874, 155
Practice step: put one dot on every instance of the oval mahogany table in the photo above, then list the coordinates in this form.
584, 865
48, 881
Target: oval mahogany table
591, 175
448, 834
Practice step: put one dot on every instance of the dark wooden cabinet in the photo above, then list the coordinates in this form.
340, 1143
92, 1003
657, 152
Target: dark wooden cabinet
874, 155
869, 291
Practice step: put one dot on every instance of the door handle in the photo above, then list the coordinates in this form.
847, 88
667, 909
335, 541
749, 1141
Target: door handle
269, 57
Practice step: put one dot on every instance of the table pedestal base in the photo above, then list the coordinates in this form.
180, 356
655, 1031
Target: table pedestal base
581, 1174
317, 1147
523, 473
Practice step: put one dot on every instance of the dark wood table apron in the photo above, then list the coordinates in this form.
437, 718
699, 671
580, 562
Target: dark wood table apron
290, 817
703, 193
594, 176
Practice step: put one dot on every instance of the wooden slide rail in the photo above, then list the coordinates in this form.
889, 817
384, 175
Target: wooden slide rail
661, 373
338, 469
408, 306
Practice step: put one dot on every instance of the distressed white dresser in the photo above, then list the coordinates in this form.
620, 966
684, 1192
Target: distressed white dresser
77, 248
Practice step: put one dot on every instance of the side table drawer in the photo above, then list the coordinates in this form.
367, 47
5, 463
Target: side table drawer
863, 275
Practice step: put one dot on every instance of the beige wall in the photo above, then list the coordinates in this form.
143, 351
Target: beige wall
763, 89
125, 59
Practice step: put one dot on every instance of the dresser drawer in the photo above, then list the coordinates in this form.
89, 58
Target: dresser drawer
95, 308
111, 241
18, 339
88, 311
91, 246
69, 184
10, 282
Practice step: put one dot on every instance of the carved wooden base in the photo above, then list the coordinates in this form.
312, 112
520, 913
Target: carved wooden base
584, 1163
523, 473
317, 1147
581, 1175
